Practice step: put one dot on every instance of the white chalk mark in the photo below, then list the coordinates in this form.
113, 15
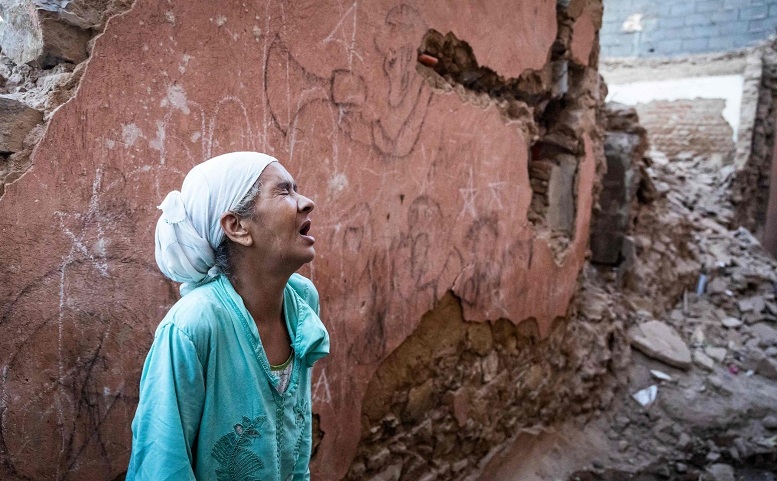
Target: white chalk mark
469, 194
349, 44
321, 392
496, 196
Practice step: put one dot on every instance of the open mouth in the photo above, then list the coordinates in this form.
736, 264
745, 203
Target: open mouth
305, 228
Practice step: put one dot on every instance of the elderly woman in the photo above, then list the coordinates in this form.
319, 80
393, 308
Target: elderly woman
225, 389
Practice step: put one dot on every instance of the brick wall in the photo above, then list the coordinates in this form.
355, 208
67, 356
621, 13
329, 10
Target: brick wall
694, 126
678, 27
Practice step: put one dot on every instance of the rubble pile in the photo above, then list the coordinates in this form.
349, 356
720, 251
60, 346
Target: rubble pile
699, 402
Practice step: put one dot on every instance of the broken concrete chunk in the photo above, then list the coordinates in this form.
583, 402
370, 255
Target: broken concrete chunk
703, 360
766, 334
767, 368
753, 304
391, 473
660, 341
16, 121
770, 422
717, 286
716, 353
731, 322
721, 472
32, 34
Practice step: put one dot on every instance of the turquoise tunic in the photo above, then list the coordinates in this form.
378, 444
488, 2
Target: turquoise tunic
209, 409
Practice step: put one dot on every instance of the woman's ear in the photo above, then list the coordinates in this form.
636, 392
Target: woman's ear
235, 229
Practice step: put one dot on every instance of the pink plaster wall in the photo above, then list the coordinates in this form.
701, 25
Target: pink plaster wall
417, 193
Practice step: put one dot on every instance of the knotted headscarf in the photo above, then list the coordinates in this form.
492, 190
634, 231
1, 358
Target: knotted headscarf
189, 229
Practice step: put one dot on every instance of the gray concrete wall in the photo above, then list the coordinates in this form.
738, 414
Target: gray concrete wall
680, 27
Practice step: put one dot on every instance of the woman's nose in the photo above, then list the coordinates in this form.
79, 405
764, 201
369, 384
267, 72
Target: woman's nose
304, 204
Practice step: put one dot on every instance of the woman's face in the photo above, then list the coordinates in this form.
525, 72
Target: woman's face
280, 223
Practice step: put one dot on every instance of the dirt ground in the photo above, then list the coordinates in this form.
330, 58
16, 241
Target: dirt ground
705, 360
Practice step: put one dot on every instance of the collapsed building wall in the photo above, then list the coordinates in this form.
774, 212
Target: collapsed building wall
454, 187
754, 186
717, 109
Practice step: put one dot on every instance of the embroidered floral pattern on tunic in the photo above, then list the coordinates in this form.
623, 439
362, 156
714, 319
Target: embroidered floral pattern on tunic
299, 420
238, 462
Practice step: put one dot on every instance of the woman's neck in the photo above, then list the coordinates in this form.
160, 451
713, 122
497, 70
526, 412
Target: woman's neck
262, 293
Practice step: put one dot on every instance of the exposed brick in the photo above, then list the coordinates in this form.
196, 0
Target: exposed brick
669, 47
698, 19
763, 25
675, 127
695, 45
753, 13
621, 50
724, 15
708, 5
733, 28
682, 8
729, 42
672, 22
705, 31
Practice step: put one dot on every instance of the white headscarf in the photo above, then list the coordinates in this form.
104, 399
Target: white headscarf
189, 229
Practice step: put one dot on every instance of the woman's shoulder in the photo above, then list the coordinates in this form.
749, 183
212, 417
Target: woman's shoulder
305, 289
198, 312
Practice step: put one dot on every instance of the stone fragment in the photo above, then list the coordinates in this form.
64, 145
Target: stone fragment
770, 422
16, 121
718, 285
742, 447
719, 384
392, 473
752, 357
595, 304
459, 465
33, 34
561, 198
662, 342
703, 360
731, 322
480, 338
771, 307
420, 399
461, 405
767, 368
766, 334
379, 459
490, 366
753, 304
721, 472
716, 353
684, 442
698, 337
712, 456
